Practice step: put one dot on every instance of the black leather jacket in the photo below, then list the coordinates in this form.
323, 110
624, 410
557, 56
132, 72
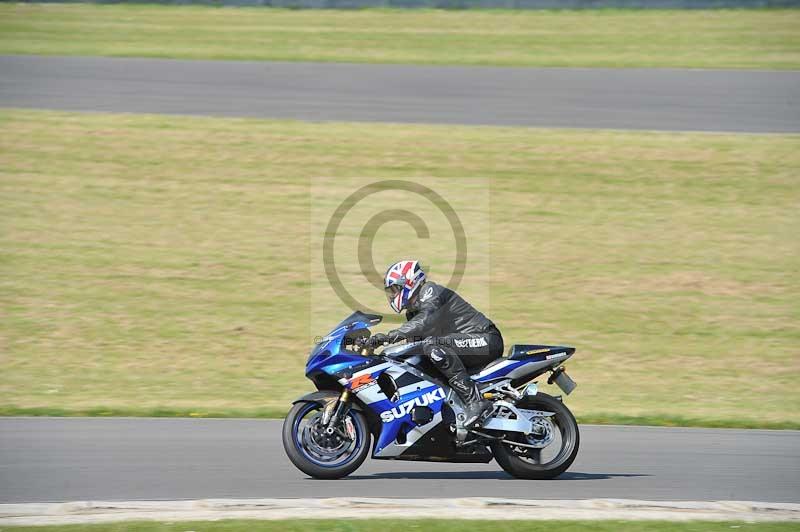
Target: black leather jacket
437, 311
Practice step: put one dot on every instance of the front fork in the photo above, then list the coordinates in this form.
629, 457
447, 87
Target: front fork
334, 411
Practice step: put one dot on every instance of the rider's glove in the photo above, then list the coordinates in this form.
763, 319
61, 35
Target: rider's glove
394, 336
378, 339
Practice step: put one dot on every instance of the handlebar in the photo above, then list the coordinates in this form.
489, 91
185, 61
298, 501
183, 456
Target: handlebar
363, 346
360, 344
396, 350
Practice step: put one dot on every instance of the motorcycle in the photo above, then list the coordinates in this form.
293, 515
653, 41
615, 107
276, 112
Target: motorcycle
398, 399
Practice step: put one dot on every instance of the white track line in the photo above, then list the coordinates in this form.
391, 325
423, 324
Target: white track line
364, 508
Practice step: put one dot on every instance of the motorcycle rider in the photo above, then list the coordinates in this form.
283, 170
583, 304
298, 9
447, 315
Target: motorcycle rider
455, 335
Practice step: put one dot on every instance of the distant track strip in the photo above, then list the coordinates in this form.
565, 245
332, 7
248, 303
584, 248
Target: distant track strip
650, 99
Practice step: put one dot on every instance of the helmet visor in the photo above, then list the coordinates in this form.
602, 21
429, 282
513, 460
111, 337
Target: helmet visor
392, 291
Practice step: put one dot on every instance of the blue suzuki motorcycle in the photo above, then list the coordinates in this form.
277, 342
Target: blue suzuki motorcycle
397, 399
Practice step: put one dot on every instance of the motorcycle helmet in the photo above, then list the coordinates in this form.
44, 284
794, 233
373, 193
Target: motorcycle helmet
401, 282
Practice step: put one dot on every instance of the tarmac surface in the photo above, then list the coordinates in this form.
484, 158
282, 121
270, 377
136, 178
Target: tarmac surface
657, 99
69, 459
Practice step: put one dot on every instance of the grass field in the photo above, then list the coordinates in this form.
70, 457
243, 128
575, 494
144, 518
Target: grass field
761, 39
405, 525
157, 264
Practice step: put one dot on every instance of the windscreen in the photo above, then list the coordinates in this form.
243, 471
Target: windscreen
358, 316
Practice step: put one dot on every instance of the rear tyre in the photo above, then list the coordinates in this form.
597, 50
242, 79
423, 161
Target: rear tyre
321, 455
525, 462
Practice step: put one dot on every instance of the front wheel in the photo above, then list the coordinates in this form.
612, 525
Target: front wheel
320, 453
547, 452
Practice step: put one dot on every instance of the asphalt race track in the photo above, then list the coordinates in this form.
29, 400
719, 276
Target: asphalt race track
60, 459
64, 459
660, 99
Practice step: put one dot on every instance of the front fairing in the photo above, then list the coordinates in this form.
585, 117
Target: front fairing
333, 361
331, 355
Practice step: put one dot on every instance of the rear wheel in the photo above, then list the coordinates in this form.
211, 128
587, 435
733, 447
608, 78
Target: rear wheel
325, 454
546, 453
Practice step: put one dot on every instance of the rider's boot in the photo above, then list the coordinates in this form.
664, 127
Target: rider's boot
475, 407
451, 366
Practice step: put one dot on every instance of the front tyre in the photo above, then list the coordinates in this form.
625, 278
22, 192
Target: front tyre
320, 454
544, 455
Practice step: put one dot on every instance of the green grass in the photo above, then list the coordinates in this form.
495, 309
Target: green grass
159, 264
403, 525
752, 39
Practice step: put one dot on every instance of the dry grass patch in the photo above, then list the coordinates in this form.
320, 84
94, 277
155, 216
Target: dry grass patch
163, 262
587, 38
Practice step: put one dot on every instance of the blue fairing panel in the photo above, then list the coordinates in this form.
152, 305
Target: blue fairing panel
329, 355
396, 417
394, 412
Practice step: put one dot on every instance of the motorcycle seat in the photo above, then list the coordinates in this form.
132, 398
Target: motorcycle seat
475, 371
515, 352
523, 351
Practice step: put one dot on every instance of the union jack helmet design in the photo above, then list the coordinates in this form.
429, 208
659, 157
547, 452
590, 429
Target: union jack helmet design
401, 281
